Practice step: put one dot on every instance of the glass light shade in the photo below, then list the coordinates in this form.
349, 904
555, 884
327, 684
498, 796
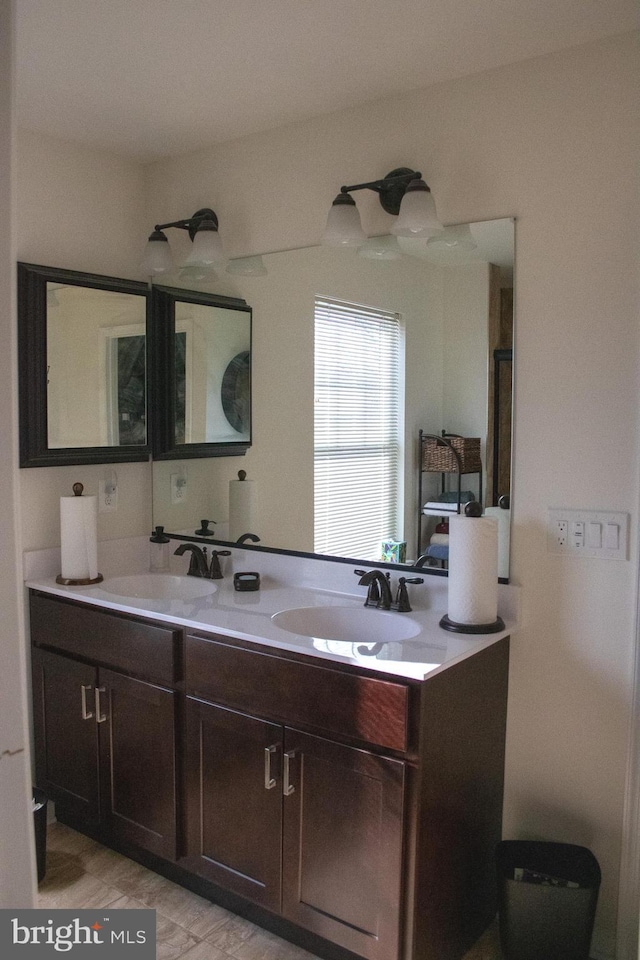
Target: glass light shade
157, 256
380, 248
457, 237
206, 249
247, 267
196, 273
343, 227
417, 217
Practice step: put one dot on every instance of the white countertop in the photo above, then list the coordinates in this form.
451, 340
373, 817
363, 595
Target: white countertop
247, 615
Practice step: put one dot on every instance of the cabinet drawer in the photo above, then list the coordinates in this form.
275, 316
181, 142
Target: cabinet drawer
104, 638
375, 711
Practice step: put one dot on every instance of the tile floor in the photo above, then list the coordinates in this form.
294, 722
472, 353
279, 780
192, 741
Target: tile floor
82, 873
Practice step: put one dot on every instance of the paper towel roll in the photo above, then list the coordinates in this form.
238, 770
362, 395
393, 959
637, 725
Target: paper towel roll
473, 570
242, 510
79, 538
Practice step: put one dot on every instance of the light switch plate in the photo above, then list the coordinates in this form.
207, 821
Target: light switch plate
602, 534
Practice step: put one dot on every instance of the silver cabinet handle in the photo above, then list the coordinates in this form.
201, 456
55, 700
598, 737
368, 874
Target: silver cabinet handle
86, 714
100, 717
287, 787
269, 781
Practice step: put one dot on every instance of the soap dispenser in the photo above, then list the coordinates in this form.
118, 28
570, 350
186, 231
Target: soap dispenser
159, 551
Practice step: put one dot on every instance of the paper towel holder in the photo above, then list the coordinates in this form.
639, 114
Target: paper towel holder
66, 581
454, 627
472, 509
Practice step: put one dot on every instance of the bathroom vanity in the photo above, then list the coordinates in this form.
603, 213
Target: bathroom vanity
351, 803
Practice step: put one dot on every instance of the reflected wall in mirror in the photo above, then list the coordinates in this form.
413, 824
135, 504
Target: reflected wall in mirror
206, 341
82, 367
454, 303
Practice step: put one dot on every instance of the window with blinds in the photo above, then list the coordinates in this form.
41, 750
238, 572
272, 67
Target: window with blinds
357, 428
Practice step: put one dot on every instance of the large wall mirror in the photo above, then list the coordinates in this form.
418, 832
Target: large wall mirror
82, 368
454, 304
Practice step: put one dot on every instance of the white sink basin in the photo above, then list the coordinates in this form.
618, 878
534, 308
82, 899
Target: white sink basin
348, 624
159, 586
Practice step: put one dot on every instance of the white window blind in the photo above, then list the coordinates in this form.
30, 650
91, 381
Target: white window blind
357, 428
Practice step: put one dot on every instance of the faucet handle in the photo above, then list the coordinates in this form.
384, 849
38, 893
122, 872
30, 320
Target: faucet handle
402, 597
215, 571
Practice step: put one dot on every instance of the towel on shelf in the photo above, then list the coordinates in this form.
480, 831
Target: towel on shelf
451, 496
448, 502
438, 551
441, 539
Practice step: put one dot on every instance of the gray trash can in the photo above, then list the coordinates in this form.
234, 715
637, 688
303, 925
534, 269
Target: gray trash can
40, 831
547, 897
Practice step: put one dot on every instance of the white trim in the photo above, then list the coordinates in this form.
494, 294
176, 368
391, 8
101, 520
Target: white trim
627, 947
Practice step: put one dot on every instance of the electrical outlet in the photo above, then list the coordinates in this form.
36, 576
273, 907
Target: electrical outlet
108, 496
560, 530
598, 534
178, 488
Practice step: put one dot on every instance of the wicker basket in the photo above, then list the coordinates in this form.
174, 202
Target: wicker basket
438, 456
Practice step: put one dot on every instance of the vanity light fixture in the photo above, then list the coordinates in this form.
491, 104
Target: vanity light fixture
402, 193
247, 267
456, 237
380, 248
206, 251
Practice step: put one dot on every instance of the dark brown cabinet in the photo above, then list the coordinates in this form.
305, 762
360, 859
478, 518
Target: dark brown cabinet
324, 820
298, 824
105, 749
343, 834
66, 733
353, 812
234, 814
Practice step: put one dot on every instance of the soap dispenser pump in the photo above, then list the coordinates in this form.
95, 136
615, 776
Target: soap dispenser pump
159, 551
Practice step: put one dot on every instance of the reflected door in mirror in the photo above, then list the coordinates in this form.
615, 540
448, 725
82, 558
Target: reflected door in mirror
96, 369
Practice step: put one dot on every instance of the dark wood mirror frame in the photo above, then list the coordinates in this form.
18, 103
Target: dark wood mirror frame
160, 386
162, 341
32, 369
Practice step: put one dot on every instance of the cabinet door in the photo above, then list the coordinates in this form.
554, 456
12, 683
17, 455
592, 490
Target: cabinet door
342, 862
66, 736
234, 801
138, 765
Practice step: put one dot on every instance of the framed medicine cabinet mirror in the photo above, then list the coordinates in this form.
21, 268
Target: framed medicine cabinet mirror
201, 365
110, 371
82, 368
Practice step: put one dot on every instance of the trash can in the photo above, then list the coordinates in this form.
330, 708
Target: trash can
40, 831
547, 896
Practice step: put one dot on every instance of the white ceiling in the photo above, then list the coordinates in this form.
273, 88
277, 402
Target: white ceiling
151, 78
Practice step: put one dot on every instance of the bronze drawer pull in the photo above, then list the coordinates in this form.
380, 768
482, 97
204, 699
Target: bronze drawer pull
287, 787
269, 781
86, 714
100, 717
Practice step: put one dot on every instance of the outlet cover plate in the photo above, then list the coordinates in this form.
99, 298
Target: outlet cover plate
585, 517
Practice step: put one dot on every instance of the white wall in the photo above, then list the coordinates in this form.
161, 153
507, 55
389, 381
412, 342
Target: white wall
81, 210
552, 141
17, 864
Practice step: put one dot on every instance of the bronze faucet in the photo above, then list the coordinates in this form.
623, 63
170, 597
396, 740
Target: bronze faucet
198, 563
380, 597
